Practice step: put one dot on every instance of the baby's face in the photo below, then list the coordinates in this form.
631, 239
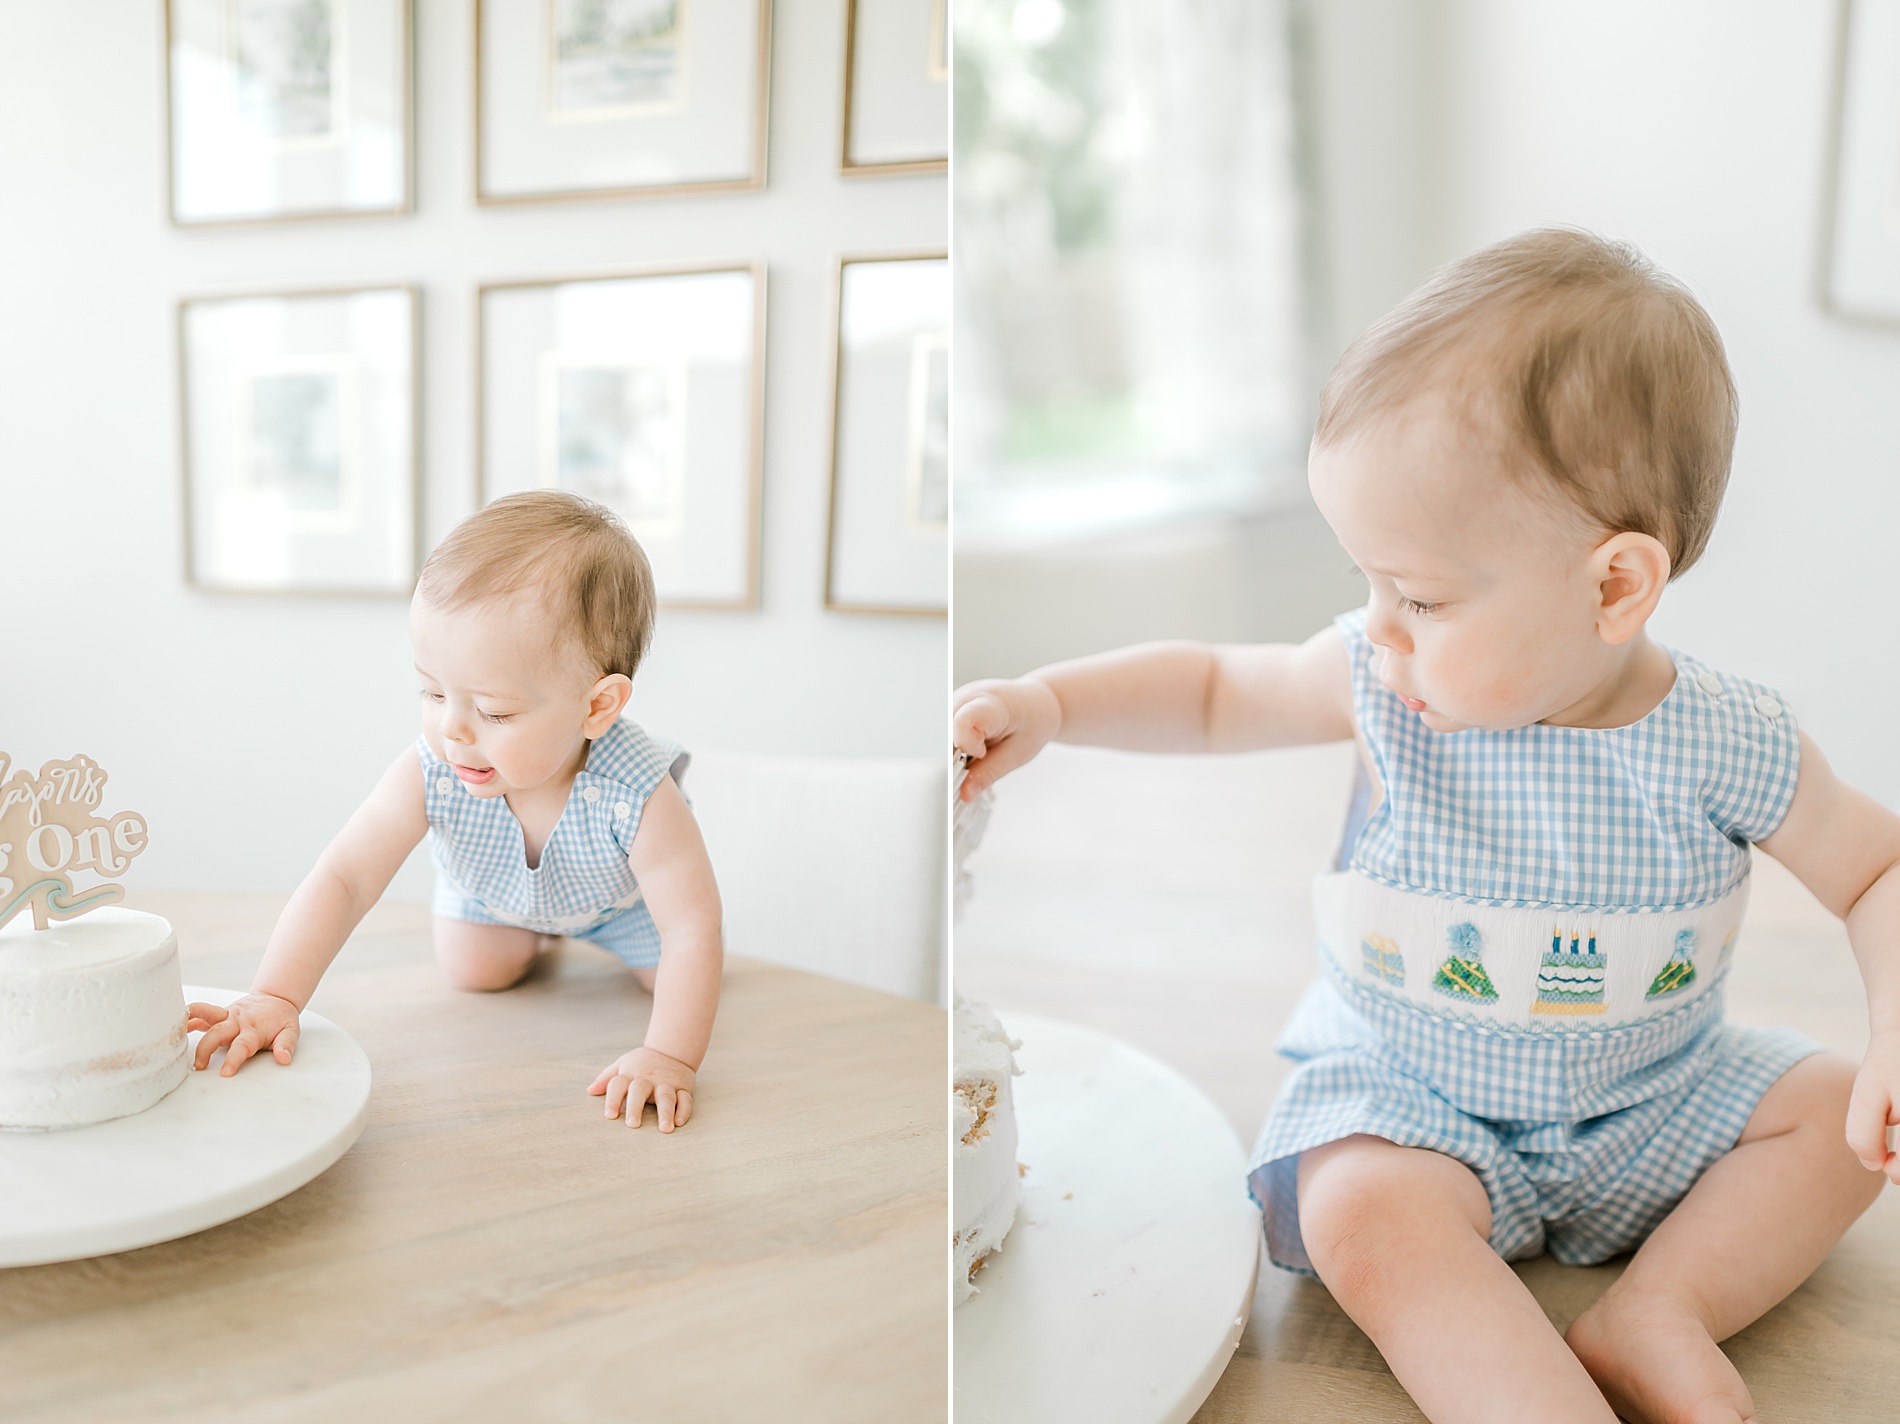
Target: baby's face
1483, 599
503, 702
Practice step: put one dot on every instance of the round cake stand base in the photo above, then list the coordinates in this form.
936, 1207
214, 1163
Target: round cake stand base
1120, 1293
210, 1150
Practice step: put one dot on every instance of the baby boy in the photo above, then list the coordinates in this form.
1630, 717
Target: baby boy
549, 813
1517, 1042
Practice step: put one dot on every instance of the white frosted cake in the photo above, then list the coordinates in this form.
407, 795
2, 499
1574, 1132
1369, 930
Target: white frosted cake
986, 1179
92, 1018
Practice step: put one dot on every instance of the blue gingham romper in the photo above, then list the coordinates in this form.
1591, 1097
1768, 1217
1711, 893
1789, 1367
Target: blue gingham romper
1523, 949
583, 887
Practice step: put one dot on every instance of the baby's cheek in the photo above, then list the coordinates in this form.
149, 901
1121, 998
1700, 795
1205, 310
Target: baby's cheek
1486, 689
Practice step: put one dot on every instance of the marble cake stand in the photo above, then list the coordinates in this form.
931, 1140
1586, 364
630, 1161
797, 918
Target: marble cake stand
210, 1150
1121, 1291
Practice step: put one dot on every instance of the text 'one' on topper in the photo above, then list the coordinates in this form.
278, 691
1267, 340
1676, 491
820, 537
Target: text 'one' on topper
50, 831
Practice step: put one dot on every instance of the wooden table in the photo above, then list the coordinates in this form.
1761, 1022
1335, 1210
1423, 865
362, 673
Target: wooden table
493, 1249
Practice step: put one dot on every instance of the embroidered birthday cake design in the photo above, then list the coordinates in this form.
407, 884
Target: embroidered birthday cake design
1383, 959
1570, 981
1679, 973
1462, 974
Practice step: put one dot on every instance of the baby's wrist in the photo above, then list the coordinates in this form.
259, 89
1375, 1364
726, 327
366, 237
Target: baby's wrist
688, 1064
1046, 706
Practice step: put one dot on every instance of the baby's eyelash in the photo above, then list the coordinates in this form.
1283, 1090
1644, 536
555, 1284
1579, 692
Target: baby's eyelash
498, 717
432, 696
1413, 605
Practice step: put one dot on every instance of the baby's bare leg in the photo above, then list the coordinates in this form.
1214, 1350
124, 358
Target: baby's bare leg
1400, 1235
484, 957
1752, 1229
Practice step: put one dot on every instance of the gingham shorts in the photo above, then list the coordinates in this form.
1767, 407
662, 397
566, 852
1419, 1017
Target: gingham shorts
1584, 1141
627, 934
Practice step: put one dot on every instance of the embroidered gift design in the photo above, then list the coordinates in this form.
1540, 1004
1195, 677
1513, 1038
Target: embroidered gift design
1383, 959
1679, 972
1462, 974
1570, 981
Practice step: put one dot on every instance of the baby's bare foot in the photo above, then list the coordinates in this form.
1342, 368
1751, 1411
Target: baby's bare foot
1654, 1361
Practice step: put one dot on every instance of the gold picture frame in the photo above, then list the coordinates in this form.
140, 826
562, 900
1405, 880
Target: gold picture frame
754, 475
412, 447
485, 196
404, 204
1856, 277
937, 66
833, 602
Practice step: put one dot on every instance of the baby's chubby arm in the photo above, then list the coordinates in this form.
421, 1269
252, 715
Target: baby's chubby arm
1160, 697
669, 860
348, 878
1845, 847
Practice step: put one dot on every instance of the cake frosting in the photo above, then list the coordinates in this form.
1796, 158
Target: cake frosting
986, 1179
92, 1018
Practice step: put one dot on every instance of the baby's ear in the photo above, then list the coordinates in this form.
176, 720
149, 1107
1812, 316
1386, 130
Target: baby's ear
608, 701
1632, 571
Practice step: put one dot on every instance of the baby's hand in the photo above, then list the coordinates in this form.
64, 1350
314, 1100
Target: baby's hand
1000, 725
1876, 1104
247, 1026
644, 1073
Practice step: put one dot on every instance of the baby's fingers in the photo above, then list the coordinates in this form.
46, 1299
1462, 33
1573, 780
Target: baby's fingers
616, 1091
683, 1108
666, 1106
1869, 1111
215, 1038
199, 1016
637, 1095
977, 721
242, 1047
287, 1037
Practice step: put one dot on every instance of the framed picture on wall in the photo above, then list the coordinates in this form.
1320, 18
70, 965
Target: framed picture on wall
284, 109
300, 434
889, 549
619, 98
645, 391
896, 86
1860, 251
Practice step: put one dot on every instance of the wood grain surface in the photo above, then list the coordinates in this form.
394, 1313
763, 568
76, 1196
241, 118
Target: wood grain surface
1167, 900
494, 1249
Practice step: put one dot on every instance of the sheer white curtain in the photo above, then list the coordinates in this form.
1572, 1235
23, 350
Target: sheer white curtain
1130, 340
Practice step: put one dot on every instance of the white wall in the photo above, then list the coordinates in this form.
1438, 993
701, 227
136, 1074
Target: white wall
1698, 130
247, 728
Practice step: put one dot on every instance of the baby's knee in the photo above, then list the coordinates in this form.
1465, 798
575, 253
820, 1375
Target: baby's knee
487, 974
483, 959
1363, 1199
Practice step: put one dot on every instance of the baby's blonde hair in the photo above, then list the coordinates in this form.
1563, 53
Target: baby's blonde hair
1605, 372
599, 588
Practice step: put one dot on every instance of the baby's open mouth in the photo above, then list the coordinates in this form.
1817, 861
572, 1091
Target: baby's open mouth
476, 776
1412, 702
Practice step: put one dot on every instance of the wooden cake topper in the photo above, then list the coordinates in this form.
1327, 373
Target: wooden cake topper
48, 832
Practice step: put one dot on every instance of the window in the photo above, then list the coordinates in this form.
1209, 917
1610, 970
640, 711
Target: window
1129, 329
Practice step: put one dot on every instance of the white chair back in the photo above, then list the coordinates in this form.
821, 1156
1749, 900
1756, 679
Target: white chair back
829, 864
